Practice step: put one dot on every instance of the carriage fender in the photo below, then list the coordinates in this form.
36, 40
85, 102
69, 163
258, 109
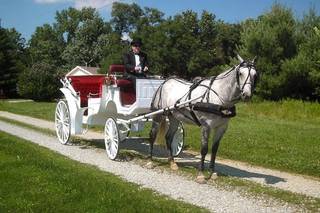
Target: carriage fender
76, 112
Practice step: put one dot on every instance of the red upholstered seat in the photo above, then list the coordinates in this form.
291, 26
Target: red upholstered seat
87, 85
113, 68
127, 91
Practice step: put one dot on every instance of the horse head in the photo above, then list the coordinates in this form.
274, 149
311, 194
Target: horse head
246, 78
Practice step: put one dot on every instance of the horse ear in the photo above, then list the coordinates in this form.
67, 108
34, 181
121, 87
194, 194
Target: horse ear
254, 59
240, 59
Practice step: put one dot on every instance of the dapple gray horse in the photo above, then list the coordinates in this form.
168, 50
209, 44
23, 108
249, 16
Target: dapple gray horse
218, 95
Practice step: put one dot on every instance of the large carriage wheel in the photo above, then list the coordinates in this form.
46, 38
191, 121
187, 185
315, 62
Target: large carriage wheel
178, 141
111, 138
62, 122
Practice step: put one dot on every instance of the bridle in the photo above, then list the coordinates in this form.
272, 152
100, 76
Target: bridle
248, 80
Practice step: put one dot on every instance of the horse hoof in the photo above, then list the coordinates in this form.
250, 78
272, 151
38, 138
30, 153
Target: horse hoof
150, 165
201, 179
173, 166
214, 176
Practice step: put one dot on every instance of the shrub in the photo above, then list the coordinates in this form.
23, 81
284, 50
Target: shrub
39, 82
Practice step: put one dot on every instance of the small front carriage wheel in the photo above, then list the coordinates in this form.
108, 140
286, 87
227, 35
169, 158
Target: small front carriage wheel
63, 122
111, 138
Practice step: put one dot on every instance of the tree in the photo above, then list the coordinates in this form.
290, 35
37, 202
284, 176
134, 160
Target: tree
125, 17
46, 45
39, 82
272, 38
301, 74
112, 50
85, 48
11, 60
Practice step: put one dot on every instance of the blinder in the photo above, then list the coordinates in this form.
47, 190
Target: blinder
249, 65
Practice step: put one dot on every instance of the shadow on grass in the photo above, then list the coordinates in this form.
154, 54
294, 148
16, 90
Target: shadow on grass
187, 160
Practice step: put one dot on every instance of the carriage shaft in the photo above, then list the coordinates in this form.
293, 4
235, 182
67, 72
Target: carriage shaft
166, 109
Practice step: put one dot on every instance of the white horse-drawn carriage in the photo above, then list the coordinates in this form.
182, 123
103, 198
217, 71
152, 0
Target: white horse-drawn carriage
113, 101
108, 100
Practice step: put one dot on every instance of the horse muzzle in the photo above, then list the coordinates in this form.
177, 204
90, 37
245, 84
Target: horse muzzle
245, 96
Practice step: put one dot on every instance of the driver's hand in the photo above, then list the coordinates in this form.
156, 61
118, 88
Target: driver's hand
137, 68
145, 69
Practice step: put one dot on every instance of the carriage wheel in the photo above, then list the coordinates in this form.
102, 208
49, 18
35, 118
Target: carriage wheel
111, 138
178, 141
63, 122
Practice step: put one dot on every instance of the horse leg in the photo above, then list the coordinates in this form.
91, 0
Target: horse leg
215, 145
152, 137
173, 127
205, 131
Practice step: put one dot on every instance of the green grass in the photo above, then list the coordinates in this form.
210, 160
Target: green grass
280, 135
34, 179
42, 110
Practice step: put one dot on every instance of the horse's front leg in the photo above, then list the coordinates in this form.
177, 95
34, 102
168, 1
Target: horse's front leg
205, 131
215, 145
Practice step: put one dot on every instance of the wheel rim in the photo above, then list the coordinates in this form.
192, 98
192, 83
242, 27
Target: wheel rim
62, 122
178, 141
111, 138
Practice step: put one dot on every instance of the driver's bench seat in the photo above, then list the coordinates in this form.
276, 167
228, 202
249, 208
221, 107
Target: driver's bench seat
127, 91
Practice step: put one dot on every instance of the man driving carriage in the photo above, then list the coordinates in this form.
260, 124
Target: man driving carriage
136, 61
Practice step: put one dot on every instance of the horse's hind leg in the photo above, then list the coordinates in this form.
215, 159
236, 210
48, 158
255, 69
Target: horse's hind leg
173, 127
152, 137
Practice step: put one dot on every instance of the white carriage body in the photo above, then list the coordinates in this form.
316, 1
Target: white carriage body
109, 102
114, 103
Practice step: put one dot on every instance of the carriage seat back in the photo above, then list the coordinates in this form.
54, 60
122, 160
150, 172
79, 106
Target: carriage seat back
88, 85
127, 90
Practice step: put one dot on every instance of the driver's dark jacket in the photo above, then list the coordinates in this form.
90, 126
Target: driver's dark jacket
130, 62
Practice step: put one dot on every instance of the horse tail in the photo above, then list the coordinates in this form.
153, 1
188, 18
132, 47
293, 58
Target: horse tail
160, 139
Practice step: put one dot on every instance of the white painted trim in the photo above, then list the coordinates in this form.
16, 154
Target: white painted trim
76, 68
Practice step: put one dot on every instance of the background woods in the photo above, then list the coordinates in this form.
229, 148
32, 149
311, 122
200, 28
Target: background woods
187, 45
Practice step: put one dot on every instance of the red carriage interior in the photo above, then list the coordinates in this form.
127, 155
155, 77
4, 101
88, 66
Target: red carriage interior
91, 86
127, 91
88, 85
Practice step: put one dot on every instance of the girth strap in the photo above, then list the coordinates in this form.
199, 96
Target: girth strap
226, 112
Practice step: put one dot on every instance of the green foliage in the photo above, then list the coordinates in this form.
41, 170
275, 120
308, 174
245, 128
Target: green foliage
46, 46
301, 74
85, 48
186, 45
39, 82
11, 61
112, 50
125, 17
272, 39
287, 59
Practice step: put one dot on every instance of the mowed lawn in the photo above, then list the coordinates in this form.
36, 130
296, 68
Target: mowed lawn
282, 135
35, 179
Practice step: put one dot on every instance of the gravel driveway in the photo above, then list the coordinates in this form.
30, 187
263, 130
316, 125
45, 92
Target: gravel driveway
175, 186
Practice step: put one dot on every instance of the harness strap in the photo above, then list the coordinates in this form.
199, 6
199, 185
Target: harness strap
193, 115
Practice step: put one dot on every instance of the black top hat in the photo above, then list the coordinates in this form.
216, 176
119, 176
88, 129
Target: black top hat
136, 42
